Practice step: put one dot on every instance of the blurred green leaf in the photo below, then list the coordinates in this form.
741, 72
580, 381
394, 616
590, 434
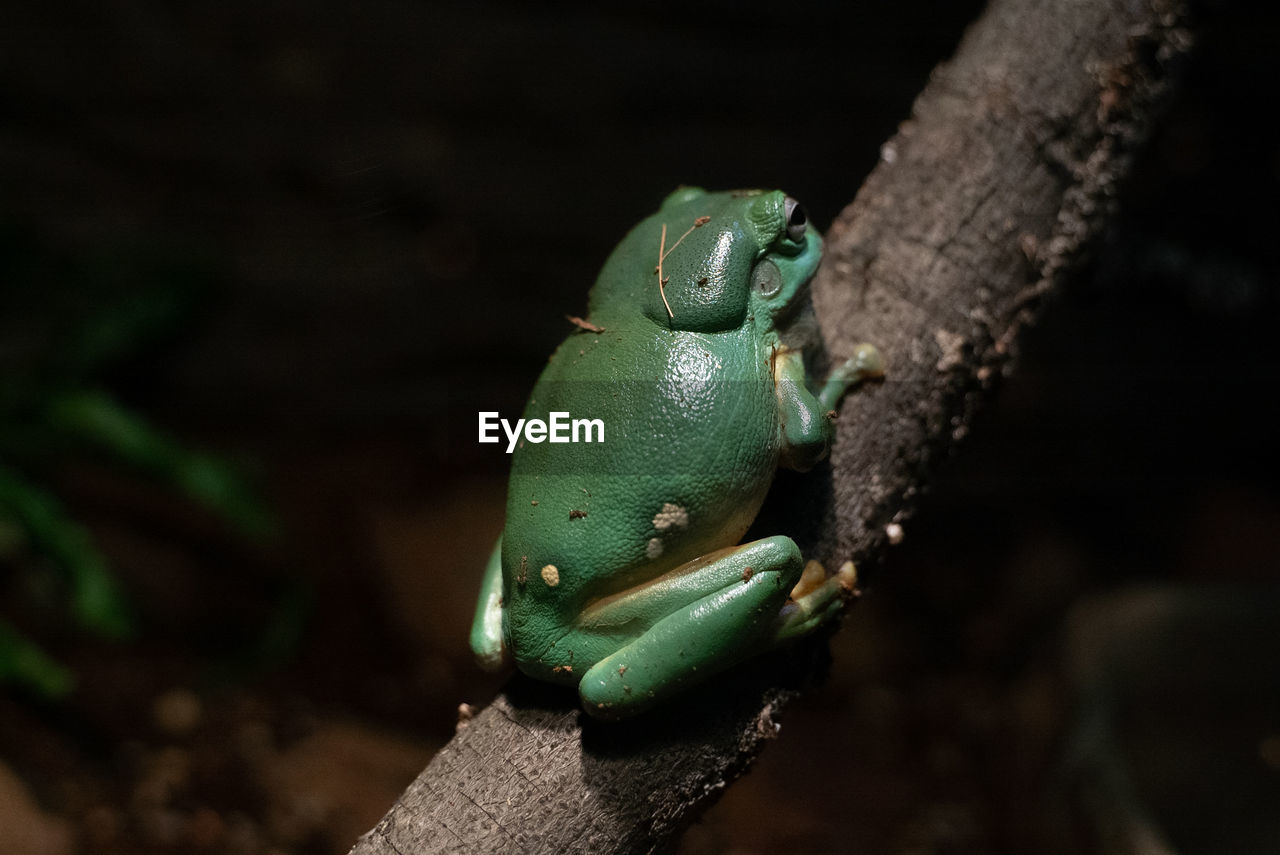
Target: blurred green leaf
95, 419
68, 323
24, 664
96, 601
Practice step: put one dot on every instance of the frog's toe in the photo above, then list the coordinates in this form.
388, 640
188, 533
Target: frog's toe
847, 577
867, 360
813, 576
802, 621
865, 364
812, 606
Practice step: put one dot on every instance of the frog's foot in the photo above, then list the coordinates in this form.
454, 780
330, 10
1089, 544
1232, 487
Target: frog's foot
817, 599
865, 364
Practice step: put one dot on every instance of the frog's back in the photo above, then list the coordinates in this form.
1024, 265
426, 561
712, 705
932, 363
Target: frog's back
689, 450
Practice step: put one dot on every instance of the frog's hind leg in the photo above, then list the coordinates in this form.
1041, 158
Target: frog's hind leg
716, 611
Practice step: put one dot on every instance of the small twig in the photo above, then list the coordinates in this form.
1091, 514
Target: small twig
662, 283
663, 252
701, 221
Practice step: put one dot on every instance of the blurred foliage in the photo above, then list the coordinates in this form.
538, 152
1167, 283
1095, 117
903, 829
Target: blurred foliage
68, 326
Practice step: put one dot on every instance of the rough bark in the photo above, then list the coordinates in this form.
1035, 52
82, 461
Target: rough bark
983, 200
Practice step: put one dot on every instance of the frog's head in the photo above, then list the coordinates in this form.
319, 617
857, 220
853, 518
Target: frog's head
724, 257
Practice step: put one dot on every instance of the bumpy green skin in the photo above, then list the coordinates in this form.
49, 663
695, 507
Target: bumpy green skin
649, 590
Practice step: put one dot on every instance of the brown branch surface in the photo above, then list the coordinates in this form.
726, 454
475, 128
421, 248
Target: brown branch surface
1008, 166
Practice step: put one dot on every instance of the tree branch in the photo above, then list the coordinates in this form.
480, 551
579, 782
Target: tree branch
981, 202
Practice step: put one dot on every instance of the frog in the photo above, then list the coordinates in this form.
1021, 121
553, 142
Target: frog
619, 569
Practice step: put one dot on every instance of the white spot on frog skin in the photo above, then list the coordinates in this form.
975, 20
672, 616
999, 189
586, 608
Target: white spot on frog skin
654, 548
551, 575
671, 516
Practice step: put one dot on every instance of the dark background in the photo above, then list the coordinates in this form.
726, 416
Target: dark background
366, 224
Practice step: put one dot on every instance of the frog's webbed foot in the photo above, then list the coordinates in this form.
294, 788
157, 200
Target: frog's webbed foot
817, 598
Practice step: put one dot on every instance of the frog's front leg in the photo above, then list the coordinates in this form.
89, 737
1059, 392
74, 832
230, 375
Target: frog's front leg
807, 419
486, 630
698, 620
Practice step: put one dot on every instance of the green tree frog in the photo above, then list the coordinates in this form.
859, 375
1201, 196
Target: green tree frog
619, 568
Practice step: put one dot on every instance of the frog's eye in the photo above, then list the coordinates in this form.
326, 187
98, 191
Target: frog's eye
766, 278
796, 220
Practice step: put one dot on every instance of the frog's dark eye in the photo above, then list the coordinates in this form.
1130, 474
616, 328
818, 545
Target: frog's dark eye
766, 279
796, 220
